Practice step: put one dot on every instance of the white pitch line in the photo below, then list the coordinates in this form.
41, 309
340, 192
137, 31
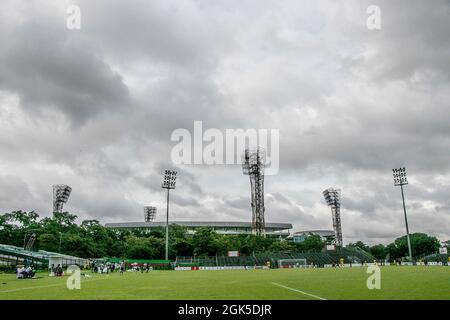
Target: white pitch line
302, 292
47, 286
28, 288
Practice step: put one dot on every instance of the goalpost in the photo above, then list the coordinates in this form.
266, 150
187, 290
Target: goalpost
292, 263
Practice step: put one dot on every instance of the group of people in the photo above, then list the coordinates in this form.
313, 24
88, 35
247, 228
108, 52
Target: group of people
110, 267
25, 272
146, 267
56, 271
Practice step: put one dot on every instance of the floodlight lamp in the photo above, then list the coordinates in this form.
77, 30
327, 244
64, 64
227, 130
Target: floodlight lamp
400, 176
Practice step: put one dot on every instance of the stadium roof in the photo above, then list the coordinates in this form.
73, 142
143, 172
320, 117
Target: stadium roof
196, 224
322, 233
41, 255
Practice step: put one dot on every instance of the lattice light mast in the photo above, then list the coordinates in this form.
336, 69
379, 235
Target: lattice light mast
170, 178
253, 164
333, 199
401, 180
149, 214
61, 194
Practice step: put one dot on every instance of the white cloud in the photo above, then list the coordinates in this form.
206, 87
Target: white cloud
94, 108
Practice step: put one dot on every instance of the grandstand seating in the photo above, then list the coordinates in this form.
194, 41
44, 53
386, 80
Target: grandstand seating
14, 255
433, 257
350, 255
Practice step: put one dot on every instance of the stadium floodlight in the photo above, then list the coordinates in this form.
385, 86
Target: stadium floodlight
401, 180
170, 178
253, 165
28, 245
61, 194
149, 214
333, 200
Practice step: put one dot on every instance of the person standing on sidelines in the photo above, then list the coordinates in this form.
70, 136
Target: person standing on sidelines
122, 268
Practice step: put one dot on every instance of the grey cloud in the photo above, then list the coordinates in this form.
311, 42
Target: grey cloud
95, 108
49, 69
184, 201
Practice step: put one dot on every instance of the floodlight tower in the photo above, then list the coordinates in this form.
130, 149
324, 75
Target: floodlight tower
253, 164
61, 194
401, 180
170, 178
149, 214
333, 199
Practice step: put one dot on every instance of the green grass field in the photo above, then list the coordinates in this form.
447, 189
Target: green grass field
333, 284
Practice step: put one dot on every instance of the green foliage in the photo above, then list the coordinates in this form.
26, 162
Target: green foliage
359, 244
447, 244
312, 243
379, 251
282, 246
421, 243
48, 242
90, 239
207, 242
144, 248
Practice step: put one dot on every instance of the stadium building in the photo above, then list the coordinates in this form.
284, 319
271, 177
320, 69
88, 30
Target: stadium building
300, 236
221, 227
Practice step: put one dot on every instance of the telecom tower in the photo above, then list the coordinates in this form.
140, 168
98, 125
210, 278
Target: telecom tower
61, 194
253, 164
149, 214
333, 199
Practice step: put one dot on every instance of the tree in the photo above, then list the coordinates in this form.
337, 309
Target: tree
144, 248
282, 246
94, 232
75, 244
393, 251
48, 242
24, 219
205, 242
61, 233
312, 243
424, 244
447, 244
180, 243
379, 251
359, 244
252, 243
421, 243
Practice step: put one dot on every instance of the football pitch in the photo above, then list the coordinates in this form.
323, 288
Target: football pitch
276, 284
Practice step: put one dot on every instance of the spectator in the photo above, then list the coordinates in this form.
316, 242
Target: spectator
59, 271
19, 272
122, 268
29, 273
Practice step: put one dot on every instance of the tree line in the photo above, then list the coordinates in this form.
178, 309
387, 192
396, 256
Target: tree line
421, 244
90, 239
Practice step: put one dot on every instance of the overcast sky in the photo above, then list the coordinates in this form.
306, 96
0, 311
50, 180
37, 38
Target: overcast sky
95, 108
